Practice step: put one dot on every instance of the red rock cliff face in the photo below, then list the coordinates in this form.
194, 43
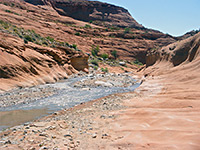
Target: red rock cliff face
101, 13
31, 64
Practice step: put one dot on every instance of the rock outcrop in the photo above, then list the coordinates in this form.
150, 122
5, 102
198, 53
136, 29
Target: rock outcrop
181, 52
188, 34
30, 64
98, 12
79, 63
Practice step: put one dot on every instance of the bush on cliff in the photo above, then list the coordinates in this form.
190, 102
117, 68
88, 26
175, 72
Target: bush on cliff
95, 50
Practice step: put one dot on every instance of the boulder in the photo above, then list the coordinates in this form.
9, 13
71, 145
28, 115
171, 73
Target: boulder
122, 63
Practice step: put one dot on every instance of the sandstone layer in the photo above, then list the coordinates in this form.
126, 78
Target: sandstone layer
30, 64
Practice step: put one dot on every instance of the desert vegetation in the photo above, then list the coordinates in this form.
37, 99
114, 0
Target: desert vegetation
32, 36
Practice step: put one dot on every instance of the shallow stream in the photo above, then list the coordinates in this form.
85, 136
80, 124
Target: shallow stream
66, 96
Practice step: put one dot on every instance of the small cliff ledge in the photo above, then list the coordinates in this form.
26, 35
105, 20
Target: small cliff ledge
98, 12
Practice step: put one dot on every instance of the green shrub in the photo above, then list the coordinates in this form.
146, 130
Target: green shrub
45, 43
38, 43
16, 13
5, 25
67, 44
74, 46
95, 67
114, 54
5, 4
104, 56
114, 28
95, 50
8, 11
77, 34
94, 62
32, 36
28, 38
12, 4
50, 39
112, 36
15, 30
126, 30
87, 26
137, 62
104, 69
25, 41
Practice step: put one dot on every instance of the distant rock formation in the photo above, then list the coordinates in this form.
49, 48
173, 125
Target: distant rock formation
188, 34
180, 52
100, 13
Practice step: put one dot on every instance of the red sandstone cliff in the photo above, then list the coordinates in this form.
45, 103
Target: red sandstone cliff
98, 12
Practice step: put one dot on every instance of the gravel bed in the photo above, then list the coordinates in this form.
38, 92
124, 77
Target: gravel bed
26, 95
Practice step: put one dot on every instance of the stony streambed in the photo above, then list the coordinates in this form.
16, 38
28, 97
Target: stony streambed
61, 95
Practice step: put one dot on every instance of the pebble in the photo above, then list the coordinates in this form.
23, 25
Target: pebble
34, 131
2, 142
122, 63
25, 132
41, 144
67, 135
103, 116
51, 127
65, 144
7, 142
22, 138
55, 113
43, 134
104, 135
43, 148
71, 146
14, 129
94, 135
53, 137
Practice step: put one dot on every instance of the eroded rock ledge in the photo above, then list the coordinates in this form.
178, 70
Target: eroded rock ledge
30, 64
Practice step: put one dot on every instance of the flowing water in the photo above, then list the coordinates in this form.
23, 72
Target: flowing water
66, 96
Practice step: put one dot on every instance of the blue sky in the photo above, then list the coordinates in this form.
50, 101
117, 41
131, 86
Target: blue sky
174, 17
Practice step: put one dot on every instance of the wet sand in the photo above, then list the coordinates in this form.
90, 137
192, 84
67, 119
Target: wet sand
16, 117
